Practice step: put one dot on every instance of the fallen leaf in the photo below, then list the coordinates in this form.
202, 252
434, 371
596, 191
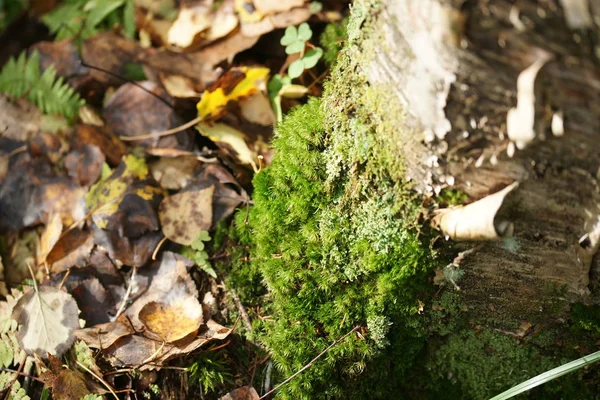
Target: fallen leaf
110, 145
225, 49
63, 55
49, 237
132, 111
179, 86
20, 119
243, 393
184, 215
126, 189
47, 319
233, 85
84, 164
102, 336
175, 173
73, 249
232, 140
190, 22
66, 384
276, 6
224, 21
112, 53
257, 109
174, 318
292, 17
247, 11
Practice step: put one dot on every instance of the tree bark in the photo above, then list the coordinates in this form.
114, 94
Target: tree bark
455, 65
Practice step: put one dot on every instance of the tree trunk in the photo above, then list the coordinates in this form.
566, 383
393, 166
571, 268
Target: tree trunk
455, 65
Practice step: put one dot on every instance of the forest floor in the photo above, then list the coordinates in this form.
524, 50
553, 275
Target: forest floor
114, 219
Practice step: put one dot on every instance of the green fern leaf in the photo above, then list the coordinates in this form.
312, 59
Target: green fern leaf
22, 78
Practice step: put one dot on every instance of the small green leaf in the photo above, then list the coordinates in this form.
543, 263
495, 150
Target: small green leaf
204, 236
295, 47
197, 245
290, 36
295, 69
209, 270
311, 58
129, 19
304, 32
315, 7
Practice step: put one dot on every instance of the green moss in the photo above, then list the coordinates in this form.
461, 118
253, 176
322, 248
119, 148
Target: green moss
585, 318
332, 39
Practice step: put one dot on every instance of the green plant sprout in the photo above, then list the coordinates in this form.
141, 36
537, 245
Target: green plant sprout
84, 18
195, 252
296, 40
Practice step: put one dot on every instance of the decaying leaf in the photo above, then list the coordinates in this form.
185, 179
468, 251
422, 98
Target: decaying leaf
292, 17
84, 164
184, 215
189, 23
243, 393
233, 85
67, 384
47, 319
257, 109
102, 336
276, 6
125, 190
173, 318
175, 173
477, 221
104, 139
73, 249
234, 141
49, 237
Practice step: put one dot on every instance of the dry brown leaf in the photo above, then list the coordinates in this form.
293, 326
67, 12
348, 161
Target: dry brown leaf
276, 21
19, 119
47, 319
189, 23
84, 164
184, 215
174, 318
276, 6
224, 21
226, 48
179, 86
175, 173
73, 249
103, 138
49, 237
257, 109
105, 335
67, 384
243, 393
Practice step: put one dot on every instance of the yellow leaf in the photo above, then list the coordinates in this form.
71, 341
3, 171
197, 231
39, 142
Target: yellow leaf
233, 85
247, 11
232, 140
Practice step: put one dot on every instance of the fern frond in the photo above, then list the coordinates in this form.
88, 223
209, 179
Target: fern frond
22, 78
84, 18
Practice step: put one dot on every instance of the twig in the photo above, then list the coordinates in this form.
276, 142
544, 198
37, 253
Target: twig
163, 133
139, 86
102, 381
127, 294
240, 308
310, 364
158, 246
14, 371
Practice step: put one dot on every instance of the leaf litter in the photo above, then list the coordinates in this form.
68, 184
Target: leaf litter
99, 204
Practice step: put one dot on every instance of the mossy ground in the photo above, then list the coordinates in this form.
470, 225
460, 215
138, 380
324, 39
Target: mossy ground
334, 241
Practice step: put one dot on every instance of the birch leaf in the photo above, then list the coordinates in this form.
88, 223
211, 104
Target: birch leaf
47, 321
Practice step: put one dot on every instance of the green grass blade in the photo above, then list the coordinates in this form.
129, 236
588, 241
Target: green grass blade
548, 376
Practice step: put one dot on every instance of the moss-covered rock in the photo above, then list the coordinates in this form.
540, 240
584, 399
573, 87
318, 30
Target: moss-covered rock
336, 238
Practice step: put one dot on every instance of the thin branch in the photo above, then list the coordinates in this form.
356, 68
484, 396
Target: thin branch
310, 364
102, 381
127, 294
163, 133
107, 72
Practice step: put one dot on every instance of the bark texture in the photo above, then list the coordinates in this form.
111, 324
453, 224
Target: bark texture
455, 66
